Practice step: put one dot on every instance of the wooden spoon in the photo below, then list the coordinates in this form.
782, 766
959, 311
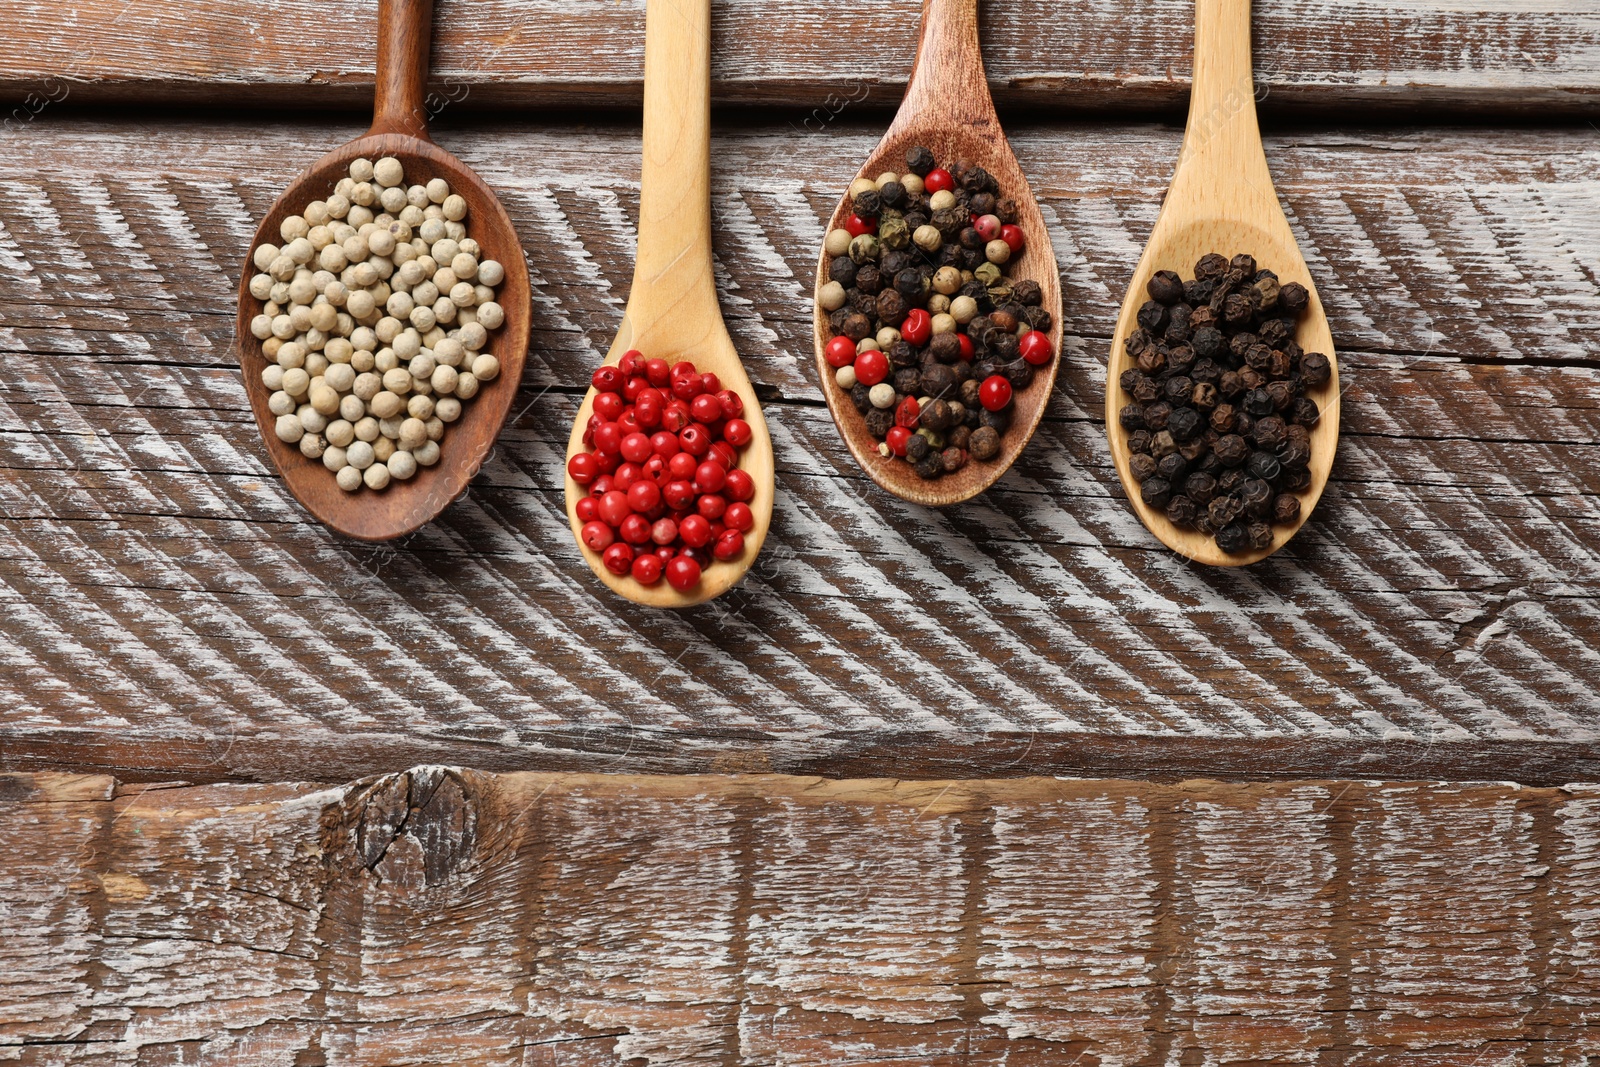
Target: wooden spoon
399, 128
1222, 200
947, 109
672, 310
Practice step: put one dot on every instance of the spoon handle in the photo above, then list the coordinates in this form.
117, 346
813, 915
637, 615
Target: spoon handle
947, 75
1222, 137
672, 273
405, 31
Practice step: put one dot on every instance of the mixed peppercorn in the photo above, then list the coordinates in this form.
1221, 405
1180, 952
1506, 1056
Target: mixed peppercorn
931, 339
666, 495
1218, 424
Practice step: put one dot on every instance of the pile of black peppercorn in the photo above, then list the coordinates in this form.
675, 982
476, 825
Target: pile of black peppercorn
1219, 423
907, 258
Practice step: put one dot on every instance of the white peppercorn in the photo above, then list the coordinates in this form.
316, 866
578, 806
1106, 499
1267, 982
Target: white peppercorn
281, 403
831, 296
311, 446
349, 478
387, 172
402, 465
288, 428
466, 385
448, 408
882, 395
428, 454
340, 432
455, 207
333, 457
486, 368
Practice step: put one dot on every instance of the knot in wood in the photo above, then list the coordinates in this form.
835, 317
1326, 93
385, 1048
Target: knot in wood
415, 829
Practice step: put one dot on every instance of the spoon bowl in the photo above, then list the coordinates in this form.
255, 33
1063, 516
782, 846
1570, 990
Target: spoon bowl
672, 310
399, 130
947, 109
1222, 200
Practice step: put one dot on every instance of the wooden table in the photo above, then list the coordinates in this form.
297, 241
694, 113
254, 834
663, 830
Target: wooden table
1008, 783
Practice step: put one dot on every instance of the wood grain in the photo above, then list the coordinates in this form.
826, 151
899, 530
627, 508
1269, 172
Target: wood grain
449, 916
168, 610
1504, 56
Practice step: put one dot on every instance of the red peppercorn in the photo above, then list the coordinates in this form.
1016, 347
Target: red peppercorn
995, 392
602, 486
1035, 348
712, 505
740, 486
918, 327
686, 387
659, 373
710, 383
706, 408
937, 180
1012, 236
597, 536
614, 507
635, 386
626, 475
636, 448
738, 517
608, 462
677, 494
840, 352
582, 468
629, 363
858, 225
665, 552
988, 226
664, 531
647, 569
608, 379
628, 423
635, 529
897, 438
680, 467
647, 408
609, 406
695, 440
608, 438
872, 367
664, 444
709, 477
695, 530
618, 559
732, 406
655, 468
587, 509
909, 413
684, 368
723, 454
728, 545
683, 573
966, 346
675, 416
643, 495
737, 432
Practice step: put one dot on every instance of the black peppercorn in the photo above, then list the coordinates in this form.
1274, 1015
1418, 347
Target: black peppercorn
1172, 467
891, 307
1139, 441
1224, 418
842, 269
1258, 402
861, 397
911, 284
985, 443
1243, 265
930, 466
1270, 433
1232, 450
1152, 361
908, 381
1206, 370
1153, 316
1183, 422
869, 279
939, 416
1165, 287
998, 421
917, 447
1027, 292
1304, 411
902, 355
1019, 373
868, 204
938, 380
1260, 535
1295, 454
1197, 291
1263, 465
1210, 267
953, 459
1285, 508
1223, 510
1295, 480
960, 437
894, 262
1161, 444
1156, 415
1155, 491
893, 194
1294, 297
1256, 496
919, 161
1233, 538
1315, 370
1282, 394
1273, 332
1146, 390
1181, 511
1179, 390
1200, 486
1203, 396
1141, 466
879, 421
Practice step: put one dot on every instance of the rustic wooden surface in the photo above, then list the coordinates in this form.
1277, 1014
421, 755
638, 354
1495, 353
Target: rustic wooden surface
1507, 56
170, 611
448, 917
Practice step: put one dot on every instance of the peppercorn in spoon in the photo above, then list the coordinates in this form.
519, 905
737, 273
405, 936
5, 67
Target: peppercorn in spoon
1222, 204
946, 117
673, 317
399, 132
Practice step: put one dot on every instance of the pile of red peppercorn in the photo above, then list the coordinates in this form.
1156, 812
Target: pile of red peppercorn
930, 337
1218, 424
666, 495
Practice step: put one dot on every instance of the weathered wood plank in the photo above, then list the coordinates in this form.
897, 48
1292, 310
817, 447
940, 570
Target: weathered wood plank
1113, 54
168, 610
447, 916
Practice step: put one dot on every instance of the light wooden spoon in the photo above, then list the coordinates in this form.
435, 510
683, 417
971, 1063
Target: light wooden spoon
399, 128
1222, 200
672, 310
947, 109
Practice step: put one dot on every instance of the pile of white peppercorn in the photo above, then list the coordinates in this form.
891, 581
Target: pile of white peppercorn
377, 309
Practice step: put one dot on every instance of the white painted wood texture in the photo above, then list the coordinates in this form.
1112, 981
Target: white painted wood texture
452, 917
1511, 56
167, 610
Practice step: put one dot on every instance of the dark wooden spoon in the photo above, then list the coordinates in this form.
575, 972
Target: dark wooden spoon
947, 109
399, 129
